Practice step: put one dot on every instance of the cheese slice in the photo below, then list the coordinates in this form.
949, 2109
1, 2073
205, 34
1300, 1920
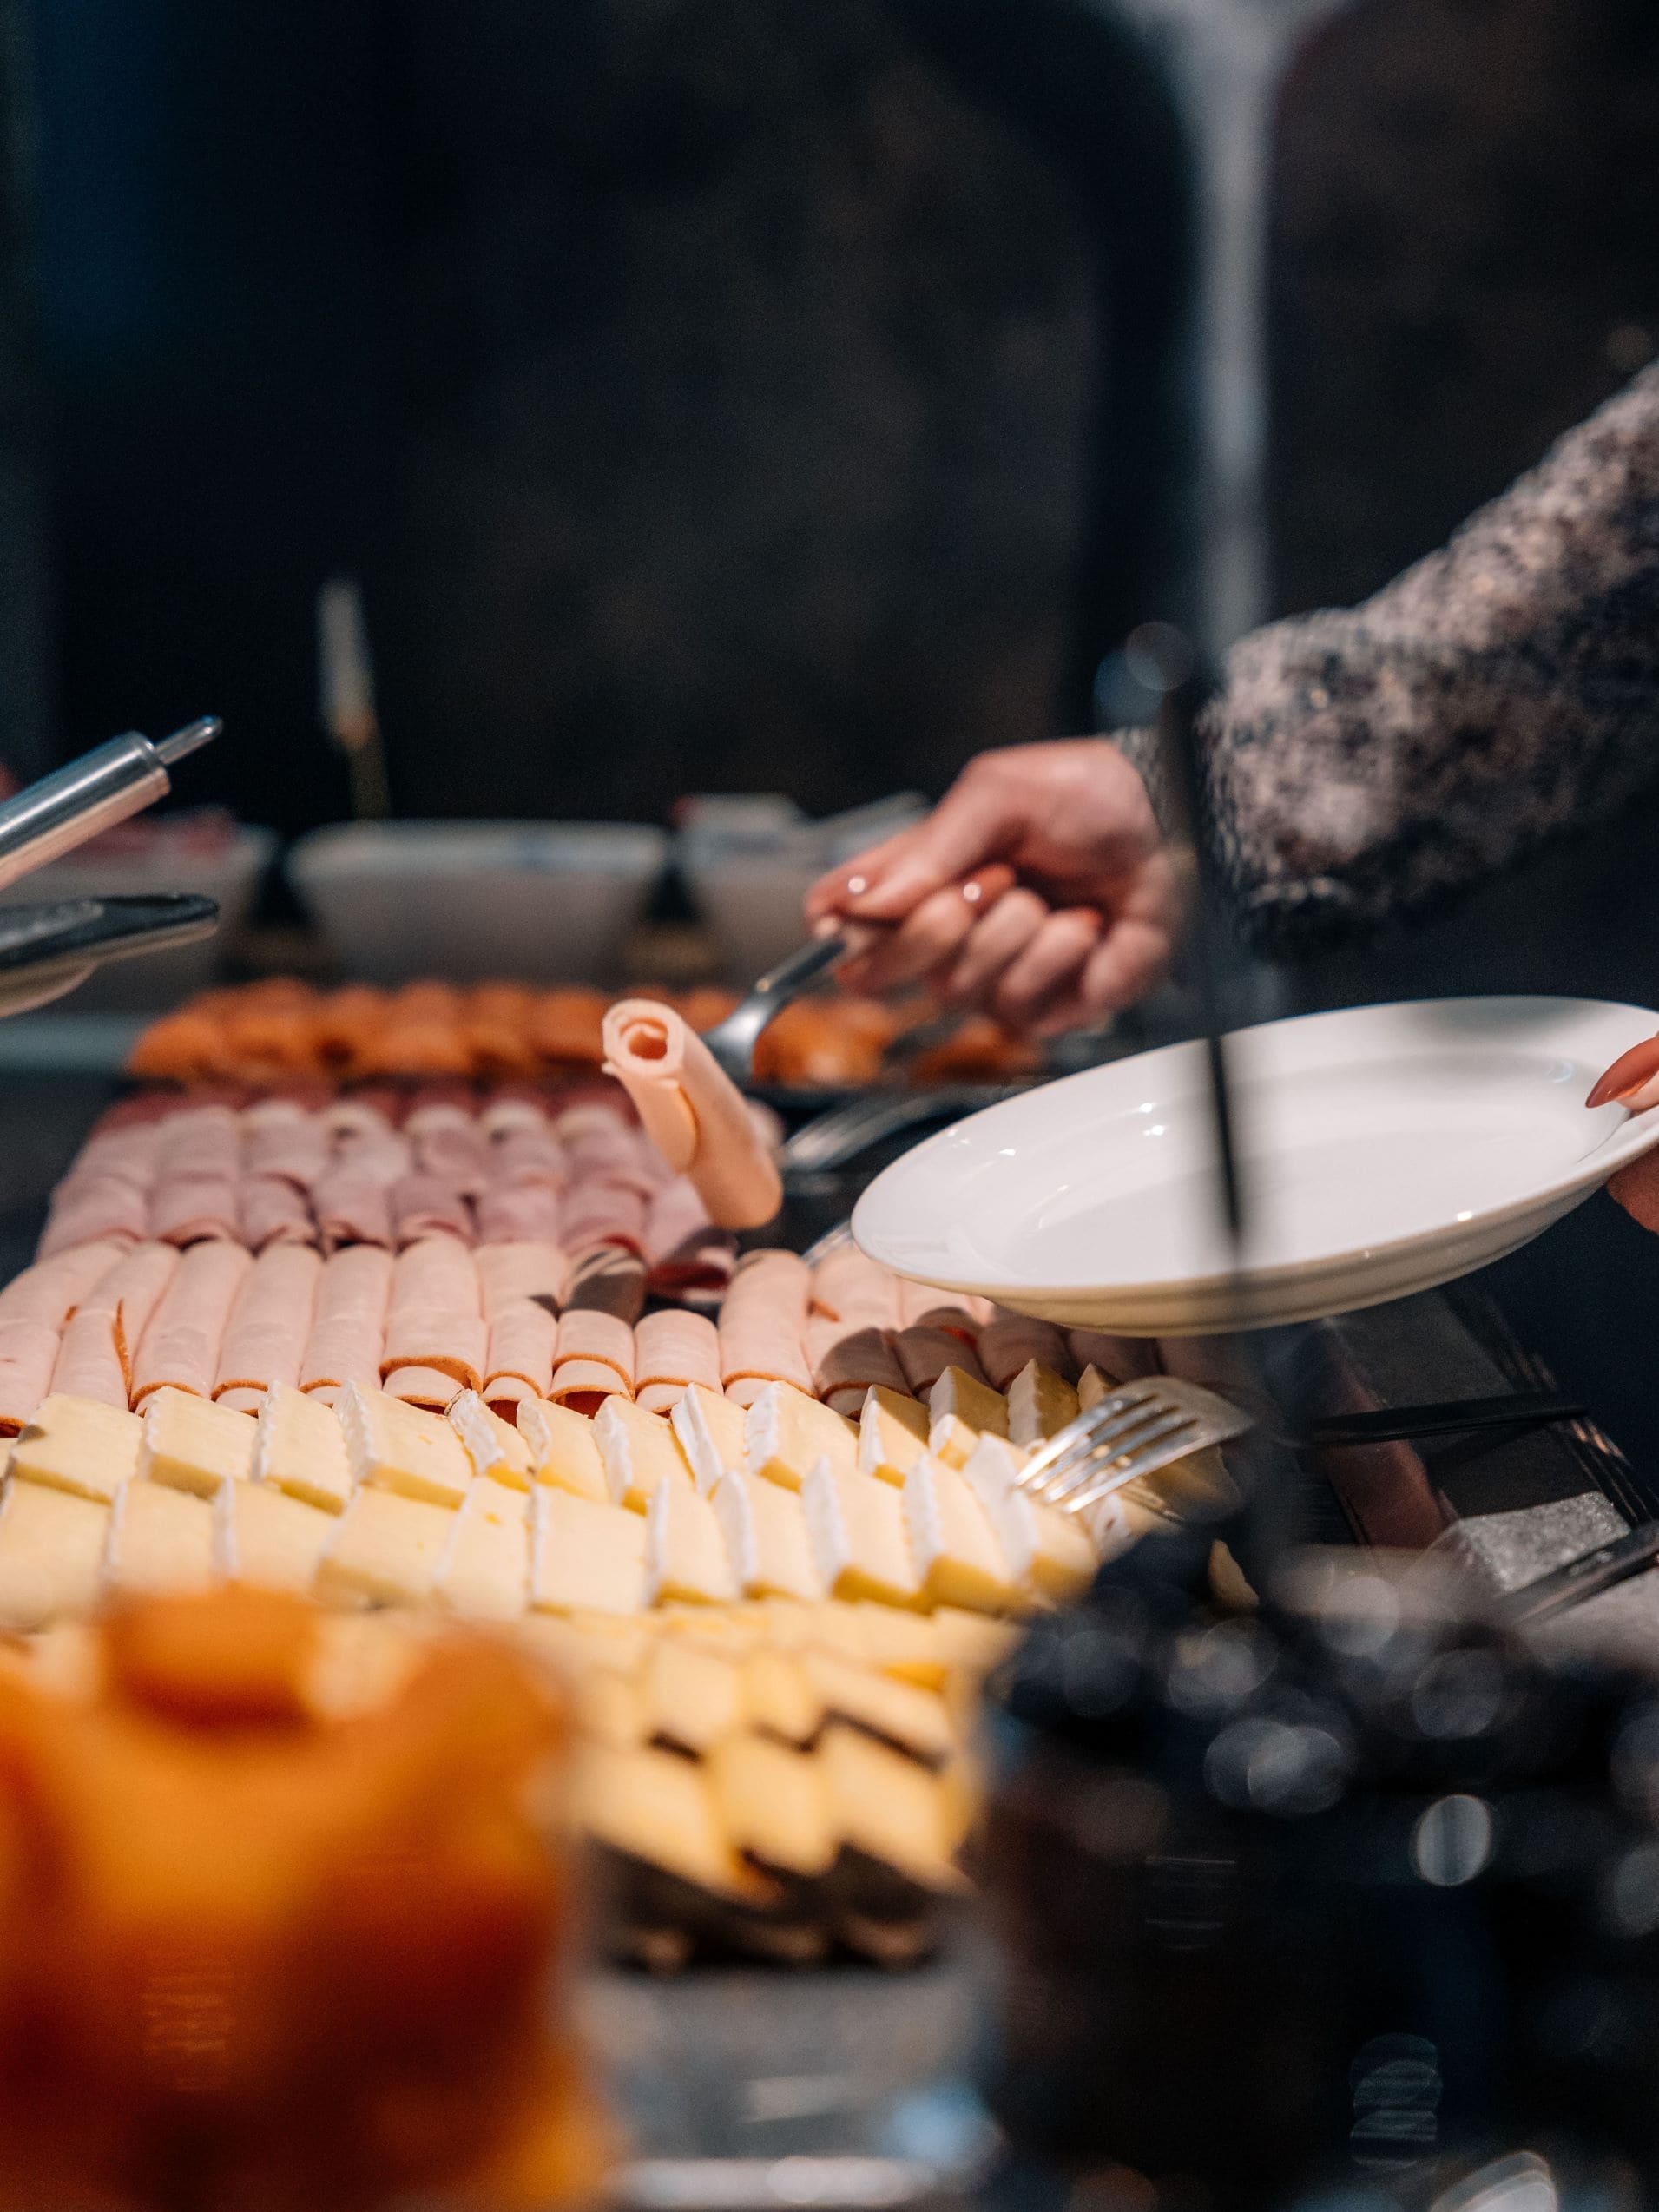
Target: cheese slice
493, 1445
639, 1450
484, 1572
385, 1547
584, 1556
693, 1697
907, 1646
767, 1539
268, 1537
191, 1444
887, 1808
52, 1545
787, 1433
300, 1447
563, 1452
953, 1543
78, 1444
161, 1539
1040, 1404
610, 1710
1092, 1386
974, 1643
658, 1808
860, 1546
779, 1698
686, 1556
396, 1446
958, 1395
917, 1720
951, 1442
711, 1429
893, 1434
773, 1805
1048, 1551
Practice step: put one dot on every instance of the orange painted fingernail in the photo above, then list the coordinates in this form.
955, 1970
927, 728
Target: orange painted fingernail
1627, 1073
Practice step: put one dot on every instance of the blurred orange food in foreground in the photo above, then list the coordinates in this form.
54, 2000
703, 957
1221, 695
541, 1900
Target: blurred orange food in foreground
256, 1953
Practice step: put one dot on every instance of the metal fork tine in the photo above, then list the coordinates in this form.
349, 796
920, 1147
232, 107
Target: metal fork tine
1150, 1460
1101, 1477
1142, 1427
1127, 1435
1079, 1435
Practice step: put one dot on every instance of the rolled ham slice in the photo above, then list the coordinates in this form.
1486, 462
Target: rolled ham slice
350, 1208
128, 1150
763, 1325
1120, 1358
601, 1144
511, 1109
202, 1141
692, 1112
511, 1212
924, 1353
427, 1387
859, 1292
686, 1255
673, 1349
422, 1206
847, 1362
180, 1345
94, 1359
530, 1156
449, 1146
1013, 1340
50, 1290
281, 1138
272, 1210
435, 1318
28, 1353
920, 1303
593, 1213
584, 1385
509, 1272
270, 1325
184, 1207
348, 1327
92, 1206
586, 1334
523, 1334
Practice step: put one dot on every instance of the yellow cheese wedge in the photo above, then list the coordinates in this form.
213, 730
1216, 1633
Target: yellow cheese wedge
639, 1450
385, 1549
710, 1428
1040, 1403
1048, 1551
562, 1449
787, 1433
907, 1646
610, 1710
693, 1697
975, 1642
888, 1809
77, 1444
584, 1556
893, 1434
161, 1539
191, 1444
860, 1546
917, 1720
953, 1543
1092, 1386
657, 1808
300, 1447
951, 1442
773, 1805
484, 1572
765, 1529
975, 1405
269, 1537
779, 1698
52, 1545
404, 1448
685, 1558
494, 1446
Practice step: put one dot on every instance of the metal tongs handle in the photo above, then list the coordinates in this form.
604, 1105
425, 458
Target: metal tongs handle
104, 786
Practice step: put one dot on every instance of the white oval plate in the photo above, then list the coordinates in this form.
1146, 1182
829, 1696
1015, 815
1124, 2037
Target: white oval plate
1384, 1149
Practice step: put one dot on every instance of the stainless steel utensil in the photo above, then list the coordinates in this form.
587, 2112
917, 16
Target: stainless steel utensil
104, 786
733, 1041
1141, 1428
835, 1138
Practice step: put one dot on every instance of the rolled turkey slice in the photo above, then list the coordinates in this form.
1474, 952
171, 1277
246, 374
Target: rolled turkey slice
686, 1253
352, 1208
28, 1353
672, 1350
449, 1146
763, 1325
1012, 1340
920, 1303
270, 1326
924, 1353
847, 1362
419, 1385
95, 1357
272, 1210
587, 1334
435, 1318
507, 1272
348, 1327
509, 1213
692, 1112
530, 1156
180, 1345
50, 1290
282, 1138
523, 1335
186, 1207
92, 1206
859, 1292
600, 1145
594, 1213
422, 1206
584, 1385
201, 1141
1120, 1358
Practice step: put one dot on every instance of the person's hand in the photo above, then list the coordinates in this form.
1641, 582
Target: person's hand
1087, 925
1633, 1080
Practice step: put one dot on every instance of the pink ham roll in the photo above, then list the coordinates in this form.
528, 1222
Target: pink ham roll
28, 1353
126, 1149
523, 1334
1120, 1358
424, 1206
925, 1352
510, 1213
449, 1146
427, 1387
686, 1255
847, 1362
95, 1357
50, 1290
349, 1324
530, 1156
850, 1288
673, 1349
763, 1325
201, 1141
184, 1208
601, 1143
952, 1309
509, 1272
435, 1318
692, 1112
1013, 1340
280, 1137
593, 1359
593, 1213
350, 1208
270, 1326
92, 1207
180, 1345
272, 1210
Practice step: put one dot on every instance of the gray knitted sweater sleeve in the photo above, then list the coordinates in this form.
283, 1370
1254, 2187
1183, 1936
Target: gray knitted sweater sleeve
1366, 765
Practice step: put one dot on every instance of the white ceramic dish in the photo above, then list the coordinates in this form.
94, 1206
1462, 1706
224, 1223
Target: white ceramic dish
1384, 1149
543, 902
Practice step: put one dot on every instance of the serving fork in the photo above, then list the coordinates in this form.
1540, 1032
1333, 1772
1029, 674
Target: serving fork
1136, 1430
733, 1041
